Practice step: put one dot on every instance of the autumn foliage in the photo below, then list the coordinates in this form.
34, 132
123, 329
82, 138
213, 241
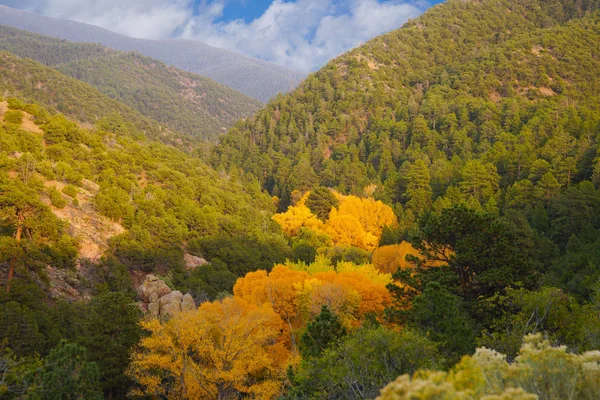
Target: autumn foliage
224, 349
388, 259
242, 345
297, 292
356, 222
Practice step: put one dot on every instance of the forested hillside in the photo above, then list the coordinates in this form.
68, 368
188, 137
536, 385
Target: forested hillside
136, 206
479, 124
419, 220
180, 100
467, 82
34, 82
256, 78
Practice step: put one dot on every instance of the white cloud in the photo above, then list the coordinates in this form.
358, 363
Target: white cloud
150, 19
300, 34
304, 34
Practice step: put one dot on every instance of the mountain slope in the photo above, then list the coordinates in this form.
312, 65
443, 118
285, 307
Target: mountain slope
34, 82
255, 78
469, 79
116, 193
183, 101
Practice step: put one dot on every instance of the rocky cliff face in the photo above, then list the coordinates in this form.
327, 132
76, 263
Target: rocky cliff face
159, 301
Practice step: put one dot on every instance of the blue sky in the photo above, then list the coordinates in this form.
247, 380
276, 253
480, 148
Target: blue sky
246, 10
297, 34
252, 9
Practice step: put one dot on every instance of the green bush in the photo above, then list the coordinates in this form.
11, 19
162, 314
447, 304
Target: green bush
15, 104
549, 372
56, 199
13, 117
70, 191
361, 363
46, 169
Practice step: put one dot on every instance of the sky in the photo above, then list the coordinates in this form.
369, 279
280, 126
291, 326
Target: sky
298, 34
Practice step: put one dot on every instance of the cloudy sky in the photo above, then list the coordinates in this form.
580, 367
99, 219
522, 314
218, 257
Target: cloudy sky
298, 34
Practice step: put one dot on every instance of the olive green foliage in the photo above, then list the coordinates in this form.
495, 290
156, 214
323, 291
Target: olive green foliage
207, 281
165, 198
242, 253
106, 327
562, 319
112, 327
70, 191
13, 117
323, 332
306, 243
361, 364
57, 199
183, 101
539, 372
320, 201
32, 326
20, 330
441, 317
44, 236
454, 237
351, 254
76, 99
16, 373
66, 374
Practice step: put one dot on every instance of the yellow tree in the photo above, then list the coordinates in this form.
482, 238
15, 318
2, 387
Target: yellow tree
363, 294
297, 295
297, 217
389, 258
373, 215
223, 350
357, 222
346, 230
278, 289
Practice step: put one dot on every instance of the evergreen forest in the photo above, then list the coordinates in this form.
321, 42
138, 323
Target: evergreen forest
419, 219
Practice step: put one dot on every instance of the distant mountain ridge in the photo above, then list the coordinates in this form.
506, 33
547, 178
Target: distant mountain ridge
185, 102
255, 78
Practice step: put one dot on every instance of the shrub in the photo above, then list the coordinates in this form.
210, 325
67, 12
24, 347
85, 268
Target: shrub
13, 117
56, 199
549, 372
70, 191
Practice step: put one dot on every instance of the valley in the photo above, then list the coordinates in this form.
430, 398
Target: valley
418, 219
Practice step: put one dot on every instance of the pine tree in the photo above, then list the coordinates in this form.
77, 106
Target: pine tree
418, 187
321, 333
67, 375
320, 202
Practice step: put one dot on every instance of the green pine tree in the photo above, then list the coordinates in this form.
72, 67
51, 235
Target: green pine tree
321, 333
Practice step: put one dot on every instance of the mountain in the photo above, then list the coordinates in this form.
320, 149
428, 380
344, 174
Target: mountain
468, 82
438, 227
58, 93
183, 101
258, 79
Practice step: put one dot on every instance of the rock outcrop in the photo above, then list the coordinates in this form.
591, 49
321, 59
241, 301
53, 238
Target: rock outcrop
188, 303
193, 262
160, 301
